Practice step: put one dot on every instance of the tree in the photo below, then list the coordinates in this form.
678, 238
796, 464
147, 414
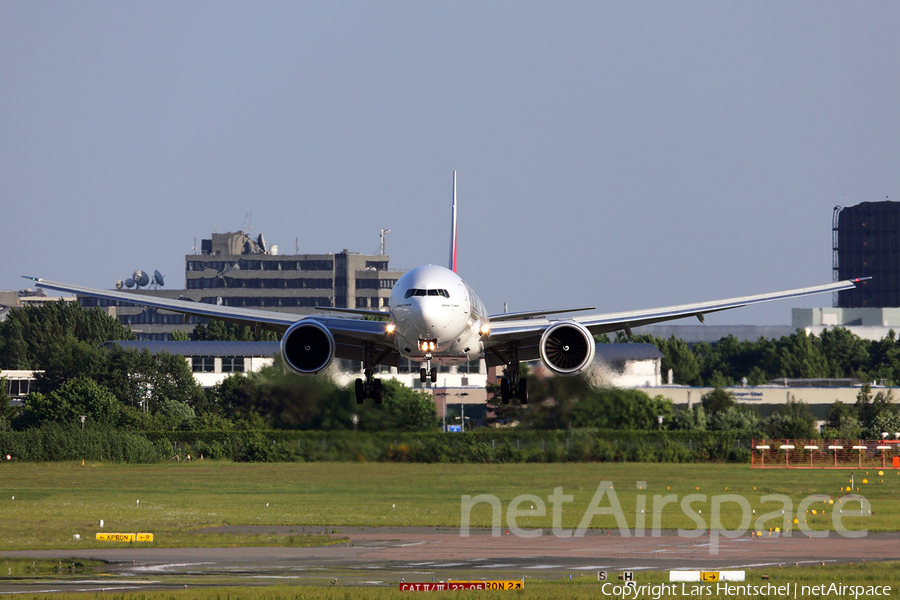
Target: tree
734, 418
800, 356
7, 413
876, 414
68, 358
76, 397
842, 422
285, 401
615, 408
847, 354
865, 411
404, 409
31, 335
175, 412
137, 377
884, 360
678, 357
792, 421
717, 400
689, 418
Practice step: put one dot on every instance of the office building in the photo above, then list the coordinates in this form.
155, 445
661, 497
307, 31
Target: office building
233, 269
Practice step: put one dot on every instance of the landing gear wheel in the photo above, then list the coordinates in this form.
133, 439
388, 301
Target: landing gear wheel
434, 375
504, 390
377, 391
522, 392
360, 391
423, 375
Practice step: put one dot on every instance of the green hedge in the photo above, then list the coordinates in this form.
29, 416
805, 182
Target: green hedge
52, 442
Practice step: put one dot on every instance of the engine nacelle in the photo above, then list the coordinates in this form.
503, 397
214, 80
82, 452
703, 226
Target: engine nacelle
307, 347
567, 348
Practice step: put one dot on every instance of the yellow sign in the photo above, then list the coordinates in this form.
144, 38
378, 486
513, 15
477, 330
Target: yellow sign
124, 537
709, 576
115, 537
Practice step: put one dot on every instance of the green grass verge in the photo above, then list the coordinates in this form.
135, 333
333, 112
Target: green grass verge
47, 568
54, 501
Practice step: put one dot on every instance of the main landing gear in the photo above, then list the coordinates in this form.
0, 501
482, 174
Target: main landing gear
371, 387
512, 386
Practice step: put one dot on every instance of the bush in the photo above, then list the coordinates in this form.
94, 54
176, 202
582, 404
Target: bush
52, 442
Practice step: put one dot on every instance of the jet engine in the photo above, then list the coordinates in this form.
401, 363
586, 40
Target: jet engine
307, 347
567, 348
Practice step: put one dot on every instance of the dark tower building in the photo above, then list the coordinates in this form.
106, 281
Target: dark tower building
866, 240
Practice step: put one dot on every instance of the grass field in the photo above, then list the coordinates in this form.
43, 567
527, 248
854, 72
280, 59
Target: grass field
44, 505
871, 574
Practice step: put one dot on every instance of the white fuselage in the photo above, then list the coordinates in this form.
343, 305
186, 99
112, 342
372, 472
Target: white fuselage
436, 315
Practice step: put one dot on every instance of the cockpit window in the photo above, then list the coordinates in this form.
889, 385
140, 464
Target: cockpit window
421, 292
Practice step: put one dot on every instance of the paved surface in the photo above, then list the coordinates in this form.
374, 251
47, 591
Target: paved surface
383, 556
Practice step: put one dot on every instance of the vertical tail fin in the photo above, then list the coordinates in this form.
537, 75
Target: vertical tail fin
453, 229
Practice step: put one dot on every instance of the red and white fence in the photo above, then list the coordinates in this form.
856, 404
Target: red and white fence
825, 454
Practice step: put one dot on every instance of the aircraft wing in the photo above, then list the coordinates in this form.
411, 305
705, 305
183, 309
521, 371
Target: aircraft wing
348, 333
528, 331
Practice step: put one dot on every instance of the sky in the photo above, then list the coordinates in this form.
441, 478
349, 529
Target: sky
621, 155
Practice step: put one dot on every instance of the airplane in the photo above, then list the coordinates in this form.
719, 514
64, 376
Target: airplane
435, 318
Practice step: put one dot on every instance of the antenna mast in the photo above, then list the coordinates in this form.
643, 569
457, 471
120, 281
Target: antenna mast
384, 232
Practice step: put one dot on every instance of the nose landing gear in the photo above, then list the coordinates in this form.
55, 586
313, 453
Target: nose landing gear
427, 370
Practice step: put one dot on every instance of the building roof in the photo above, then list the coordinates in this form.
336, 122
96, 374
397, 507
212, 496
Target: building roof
614, 352
260, 349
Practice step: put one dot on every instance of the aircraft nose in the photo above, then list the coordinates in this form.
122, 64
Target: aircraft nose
429, 317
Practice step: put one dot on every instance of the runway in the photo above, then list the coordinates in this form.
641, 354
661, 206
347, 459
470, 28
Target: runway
385, 555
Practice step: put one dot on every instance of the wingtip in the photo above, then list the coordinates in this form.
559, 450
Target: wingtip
31, 278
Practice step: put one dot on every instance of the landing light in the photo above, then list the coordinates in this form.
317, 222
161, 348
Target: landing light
389, 328
428, 346
484, 329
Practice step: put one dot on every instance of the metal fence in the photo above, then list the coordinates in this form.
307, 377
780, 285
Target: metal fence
825, 454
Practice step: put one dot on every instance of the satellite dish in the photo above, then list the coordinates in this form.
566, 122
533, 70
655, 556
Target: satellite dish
129, 283
119, 284
158, 278
140, 278
261, 242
